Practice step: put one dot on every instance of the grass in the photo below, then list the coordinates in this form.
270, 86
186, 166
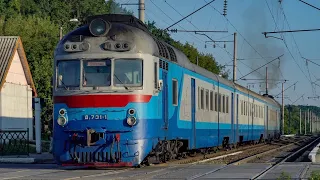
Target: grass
315, 175
21, 149
284, 176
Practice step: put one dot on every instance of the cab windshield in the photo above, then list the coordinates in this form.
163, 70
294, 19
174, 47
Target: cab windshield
68, 74
98, 73
127, 72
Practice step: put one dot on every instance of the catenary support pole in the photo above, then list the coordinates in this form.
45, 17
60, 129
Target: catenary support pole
141, 10
305, 122
282, 110
234, 57
300, 123
37, 108
310, 122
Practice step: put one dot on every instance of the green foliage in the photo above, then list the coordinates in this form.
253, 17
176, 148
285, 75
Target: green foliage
284, 176
295, 118
315, 175
37, 22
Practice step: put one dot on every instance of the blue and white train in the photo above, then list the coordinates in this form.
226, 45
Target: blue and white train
122, 97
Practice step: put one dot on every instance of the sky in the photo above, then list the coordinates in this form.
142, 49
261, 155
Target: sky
249, 18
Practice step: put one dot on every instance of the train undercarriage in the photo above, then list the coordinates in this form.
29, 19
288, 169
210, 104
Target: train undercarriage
167, 150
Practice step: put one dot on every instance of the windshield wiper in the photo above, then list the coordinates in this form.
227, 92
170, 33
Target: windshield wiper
121, 82
64, 85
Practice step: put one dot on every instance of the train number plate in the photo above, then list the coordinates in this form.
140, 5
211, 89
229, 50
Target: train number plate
95, 117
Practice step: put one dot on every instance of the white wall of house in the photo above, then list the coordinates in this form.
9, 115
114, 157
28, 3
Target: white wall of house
16, 100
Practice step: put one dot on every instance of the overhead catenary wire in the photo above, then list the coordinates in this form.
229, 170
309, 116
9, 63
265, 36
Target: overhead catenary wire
198, 39
179, 13
198, 31
286, 20
261, 66
285, 43
190, 14
288, 88
309, 5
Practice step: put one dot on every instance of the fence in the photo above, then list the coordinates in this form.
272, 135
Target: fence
14, 142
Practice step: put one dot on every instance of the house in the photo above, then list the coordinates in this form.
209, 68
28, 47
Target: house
16, 86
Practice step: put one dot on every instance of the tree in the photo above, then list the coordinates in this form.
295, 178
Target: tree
39, 44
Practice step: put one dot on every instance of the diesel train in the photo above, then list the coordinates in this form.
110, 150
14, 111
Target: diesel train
123, 97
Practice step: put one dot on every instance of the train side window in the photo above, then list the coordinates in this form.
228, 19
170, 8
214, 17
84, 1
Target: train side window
174, 92
241, 104
244, 108
223, 104
156, 75
211, 100
202, 98
255, 111
199, 99
260, 112
219, 102
207, 99
216, 102
227, 104
240, 108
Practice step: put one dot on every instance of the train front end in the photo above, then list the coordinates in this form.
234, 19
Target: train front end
103, 94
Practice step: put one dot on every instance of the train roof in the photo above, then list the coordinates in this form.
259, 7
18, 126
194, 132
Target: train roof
128, 26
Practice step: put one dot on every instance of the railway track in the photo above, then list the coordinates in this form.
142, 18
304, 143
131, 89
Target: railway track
290, 158
227, 156
180, 167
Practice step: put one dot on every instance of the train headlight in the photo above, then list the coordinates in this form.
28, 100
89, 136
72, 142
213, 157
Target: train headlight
131, 111
62, 121
62, 112
99, 27
131, 121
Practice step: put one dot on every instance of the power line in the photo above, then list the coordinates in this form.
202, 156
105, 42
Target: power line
173, 20
236, 30
177, 30
284, 41
290, 31
294, 40
311, 61
309, 4
179, 13
189, 14
287, 88
261, 66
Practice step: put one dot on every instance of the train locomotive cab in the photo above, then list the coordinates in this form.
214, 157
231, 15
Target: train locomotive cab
105, 79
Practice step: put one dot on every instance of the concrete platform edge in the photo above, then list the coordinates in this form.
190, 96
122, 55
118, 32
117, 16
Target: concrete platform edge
312, 155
